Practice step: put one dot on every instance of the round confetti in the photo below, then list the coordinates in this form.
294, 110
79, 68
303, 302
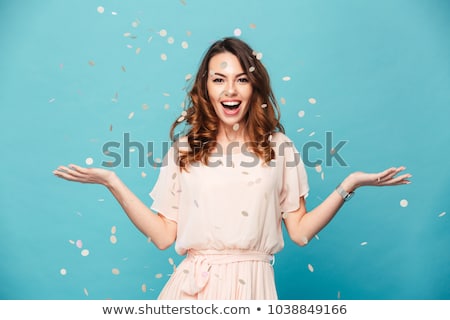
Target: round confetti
404, 203
100, 9
113, 229
312, 100
318, 168
184, 45
237, 32
170, 261
115, 271
85, 252
163, 32
264, 105
63, 272
236, 127
301, 113
287, 78
188, 77
163, 57
79, 244
170, 40
158, 275
310, 268
89, 161
113, 239
144, 287
259, 56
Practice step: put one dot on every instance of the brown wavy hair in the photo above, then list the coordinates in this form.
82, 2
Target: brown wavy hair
262, 117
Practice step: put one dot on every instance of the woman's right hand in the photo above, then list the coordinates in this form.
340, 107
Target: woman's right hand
84, 175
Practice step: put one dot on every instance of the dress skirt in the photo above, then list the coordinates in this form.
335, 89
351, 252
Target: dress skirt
222, 275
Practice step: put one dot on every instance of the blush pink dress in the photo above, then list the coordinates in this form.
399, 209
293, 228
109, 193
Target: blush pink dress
229, 216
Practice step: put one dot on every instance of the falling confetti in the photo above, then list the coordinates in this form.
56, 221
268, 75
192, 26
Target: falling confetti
184, 45
241, 281
131, 115
283, 100
170, 40
301, 113
113, 239
170, 261
138, 50
237, 32
85, 252
100, 9
252, 26
264, 105
251, 69
287, 78
312, 101
63, 272
163, 57
236, 127
244, 213
310, 268
188, 77
364, 243
404, 203
86, 293
163, 32
89, 161
318, 168
259, 56
51, 100
144, 288
115, 271
91, 63
158, 275
442, 214
79, 244
113, 229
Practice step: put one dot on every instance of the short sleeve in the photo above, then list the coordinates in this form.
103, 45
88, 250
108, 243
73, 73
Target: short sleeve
294, 177
166, 191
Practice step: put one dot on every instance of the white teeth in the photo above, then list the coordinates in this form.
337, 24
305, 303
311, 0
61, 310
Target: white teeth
231, 103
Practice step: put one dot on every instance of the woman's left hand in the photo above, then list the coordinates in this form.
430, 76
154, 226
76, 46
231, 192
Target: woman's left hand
388, 177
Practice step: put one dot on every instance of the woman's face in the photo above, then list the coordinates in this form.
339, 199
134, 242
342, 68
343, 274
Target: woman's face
229, 89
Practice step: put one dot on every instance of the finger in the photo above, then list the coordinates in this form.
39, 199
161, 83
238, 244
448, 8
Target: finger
389, 174
403, 179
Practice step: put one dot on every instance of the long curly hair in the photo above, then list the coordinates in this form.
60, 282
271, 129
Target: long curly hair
260, 121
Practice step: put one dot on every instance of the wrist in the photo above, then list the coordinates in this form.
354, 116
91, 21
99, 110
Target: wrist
349, 184
111, 180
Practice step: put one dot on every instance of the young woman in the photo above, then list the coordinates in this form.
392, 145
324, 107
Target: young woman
228, 183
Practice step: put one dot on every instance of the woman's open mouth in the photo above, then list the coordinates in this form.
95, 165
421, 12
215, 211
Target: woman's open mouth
231, 107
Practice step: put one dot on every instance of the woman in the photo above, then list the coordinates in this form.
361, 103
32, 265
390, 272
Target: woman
228, 183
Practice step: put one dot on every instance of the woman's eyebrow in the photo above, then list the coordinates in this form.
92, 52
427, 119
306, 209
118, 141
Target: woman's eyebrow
222, 75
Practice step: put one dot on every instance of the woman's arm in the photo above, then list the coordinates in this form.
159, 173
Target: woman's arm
161, 231
302, 225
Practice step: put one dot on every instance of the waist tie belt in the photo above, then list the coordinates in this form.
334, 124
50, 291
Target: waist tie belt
198, 264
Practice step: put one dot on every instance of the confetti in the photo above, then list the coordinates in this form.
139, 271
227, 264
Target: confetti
163, 32
305, 240
287, 78
91, 63
100, 9
63, 272
85, 252
170, 261
237, 32
86, 293
115, 271
244, 213
310, 268
404, 203
113, 229
131, 115
184, 45
241, 281
143, 174
138, 50
442, 214
251, 69
318, 168
252, 26
188, 77
301, 113
79, 244
51, 100
89, 161
113, 239
145, 106
158, 275
312, 101
163, 57
264, 105
236, 127
283, 100
144, 288
364, 243
259, 56
114, 13
170, 40
312, 133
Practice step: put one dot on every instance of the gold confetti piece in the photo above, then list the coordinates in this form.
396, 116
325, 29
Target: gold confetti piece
236, 127
86, 293
264, 105
241, 281
113, 230
170, 40
251, 69
127, 34
259, 56
312, 101
163, 32
138, 50
183, 2
301, 113
91, 63
170, 261
115, 271
163, 57
89, 161
185, 271
131, 115
283, 101
244, 213
364, 243
100, 9
310, 268
63, 272
442, 214
184, 45
143, 174
237, 32
180, 119
404, 203
145, 106
166, 106
188, 77
158, 275
245, 172
318, 168
85, 252
135, 24
144, 288
287, 78
252, 26
113, 239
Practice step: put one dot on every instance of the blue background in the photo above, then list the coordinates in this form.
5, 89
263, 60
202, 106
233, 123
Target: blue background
73, 79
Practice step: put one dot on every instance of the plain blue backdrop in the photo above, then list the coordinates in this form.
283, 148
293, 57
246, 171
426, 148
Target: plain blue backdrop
373, 74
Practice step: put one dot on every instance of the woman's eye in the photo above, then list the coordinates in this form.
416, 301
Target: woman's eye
218, 80
243, 80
